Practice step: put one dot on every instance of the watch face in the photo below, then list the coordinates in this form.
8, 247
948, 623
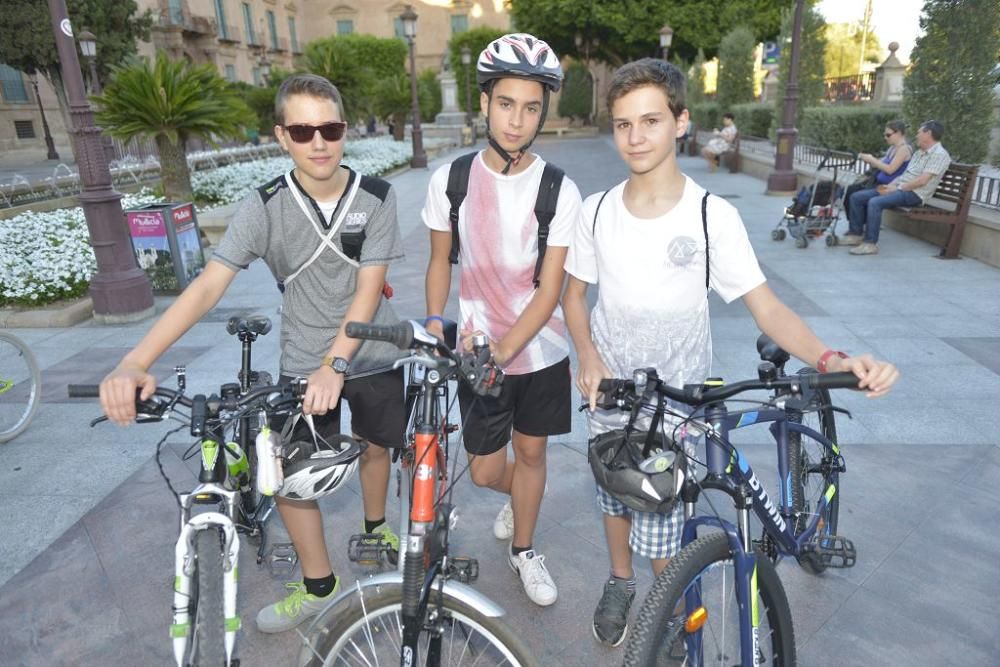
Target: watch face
340, 365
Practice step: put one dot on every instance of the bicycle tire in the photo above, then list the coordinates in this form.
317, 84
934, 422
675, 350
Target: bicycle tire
24, 376
697, 563
806, 460
207, 647
372, 616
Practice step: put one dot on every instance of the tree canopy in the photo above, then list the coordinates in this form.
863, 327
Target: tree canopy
616, 31
843, 49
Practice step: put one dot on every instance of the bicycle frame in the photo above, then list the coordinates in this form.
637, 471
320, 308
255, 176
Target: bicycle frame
747, 492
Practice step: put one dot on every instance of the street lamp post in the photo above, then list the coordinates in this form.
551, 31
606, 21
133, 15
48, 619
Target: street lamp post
88, 47
783, 179
120, 290
409, 19
466, 65
50, 145
666, 39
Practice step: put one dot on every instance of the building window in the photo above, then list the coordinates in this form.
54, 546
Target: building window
272, 29
345, 27
176, 12
293, 35
220, 18
25, 129
230, 73
12, 85
258, 78
459, 23
248, 24
397, 24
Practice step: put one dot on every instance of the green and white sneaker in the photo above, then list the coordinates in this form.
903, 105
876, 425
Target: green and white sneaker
297, 607
388, 536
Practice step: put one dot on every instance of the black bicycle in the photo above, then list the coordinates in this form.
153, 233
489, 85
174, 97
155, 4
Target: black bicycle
720, 601
225, 503
424, 612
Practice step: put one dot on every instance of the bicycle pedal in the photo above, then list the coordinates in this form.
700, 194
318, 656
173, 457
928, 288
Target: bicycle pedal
282, 558
463, 569
833, 551
371, 549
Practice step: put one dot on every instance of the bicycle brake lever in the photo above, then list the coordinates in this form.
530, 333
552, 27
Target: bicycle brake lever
98, 420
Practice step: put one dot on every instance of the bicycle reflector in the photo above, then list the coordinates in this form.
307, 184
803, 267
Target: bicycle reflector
695, 620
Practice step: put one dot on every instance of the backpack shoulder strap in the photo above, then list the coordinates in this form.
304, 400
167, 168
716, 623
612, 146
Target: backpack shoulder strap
458, 187
593, 228
545, 210
704, 227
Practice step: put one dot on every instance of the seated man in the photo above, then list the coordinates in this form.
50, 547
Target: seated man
913, 188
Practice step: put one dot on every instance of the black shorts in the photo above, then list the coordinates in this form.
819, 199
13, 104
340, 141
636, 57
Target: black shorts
536, 404
377, 410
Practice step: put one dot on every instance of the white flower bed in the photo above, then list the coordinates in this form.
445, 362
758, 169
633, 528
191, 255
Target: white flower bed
45, 257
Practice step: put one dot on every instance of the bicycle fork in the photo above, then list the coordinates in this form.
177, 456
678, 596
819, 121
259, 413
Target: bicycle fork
186, 567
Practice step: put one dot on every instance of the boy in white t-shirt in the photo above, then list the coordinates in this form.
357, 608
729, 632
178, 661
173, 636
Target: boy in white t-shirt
644, 242
497, 249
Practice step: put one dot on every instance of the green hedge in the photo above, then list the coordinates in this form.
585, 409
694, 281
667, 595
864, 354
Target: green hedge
753, 118
848, 128
706, 115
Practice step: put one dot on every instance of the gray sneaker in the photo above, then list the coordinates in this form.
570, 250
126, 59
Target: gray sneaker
851, 239
297, 607
865, 249
611, 617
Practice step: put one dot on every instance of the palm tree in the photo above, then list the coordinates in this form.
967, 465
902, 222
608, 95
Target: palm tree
171, 101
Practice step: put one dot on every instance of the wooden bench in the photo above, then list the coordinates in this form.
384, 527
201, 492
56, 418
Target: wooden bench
731, 158
955, 188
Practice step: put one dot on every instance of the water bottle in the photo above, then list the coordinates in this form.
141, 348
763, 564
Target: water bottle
269, 473
239, 466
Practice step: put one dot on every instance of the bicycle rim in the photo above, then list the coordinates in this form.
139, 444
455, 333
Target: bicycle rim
812, 477
375, 638
20, 387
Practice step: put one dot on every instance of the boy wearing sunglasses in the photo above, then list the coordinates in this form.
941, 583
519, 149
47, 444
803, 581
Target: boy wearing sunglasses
328, 235
494, 235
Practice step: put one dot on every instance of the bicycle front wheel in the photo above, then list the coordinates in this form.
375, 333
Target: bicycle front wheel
20, 386
705, 570
208, 629
811, 466
367, 629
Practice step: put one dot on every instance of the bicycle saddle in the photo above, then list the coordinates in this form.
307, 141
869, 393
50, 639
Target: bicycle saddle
769, 351
258, 325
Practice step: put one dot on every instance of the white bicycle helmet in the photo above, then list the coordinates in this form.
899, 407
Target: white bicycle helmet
512, 56
318, 467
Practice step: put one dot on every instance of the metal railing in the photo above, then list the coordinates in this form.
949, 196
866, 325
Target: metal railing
854, 88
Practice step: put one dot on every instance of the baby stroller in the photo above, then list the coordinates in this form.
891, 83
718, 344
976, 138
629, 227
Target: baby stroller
816, 208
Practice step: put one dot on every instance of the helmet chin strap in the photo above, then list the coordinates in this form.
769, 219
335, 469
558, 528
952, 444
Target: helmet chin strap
509, 159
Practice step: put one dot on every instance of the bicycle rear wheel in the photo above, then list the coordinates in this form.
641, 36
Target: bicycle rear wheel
811, 465
366, 629
705, 568
207, 646
20, 386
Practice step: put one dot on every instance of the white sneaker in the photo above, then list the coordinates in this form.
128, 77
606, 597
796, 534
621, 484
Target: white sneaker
503, 525
538, 584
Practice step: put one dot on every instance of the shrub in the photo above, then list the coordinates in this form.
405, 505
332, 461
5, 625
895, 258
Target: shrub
848, 128
753, 119
429, 95
706, 115
736, 64
576, 98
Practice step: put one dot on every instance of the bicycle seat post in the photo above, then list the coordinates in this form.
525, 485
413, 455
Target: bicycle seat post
246, 338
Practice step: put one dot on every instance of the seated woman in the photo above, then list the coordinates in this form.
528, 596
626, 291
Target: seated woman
889, 167
721, 142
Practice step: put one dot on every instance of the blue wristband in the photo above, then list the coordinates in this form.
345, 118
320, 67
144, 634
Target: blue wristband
431, 318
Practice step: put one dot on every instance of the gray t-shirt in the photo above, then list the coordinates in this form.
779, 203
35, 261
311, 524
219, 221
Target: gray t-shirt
282, 225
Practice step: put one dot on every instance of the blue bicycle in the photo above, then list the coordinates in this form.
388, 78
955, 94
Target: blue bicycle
720, 601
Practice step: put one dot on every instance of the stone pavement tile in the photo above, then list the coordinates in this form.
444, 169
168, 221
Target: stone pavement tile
58, 604
952, 327
983, 475
883, 325
925, 351
985, 351
813, 599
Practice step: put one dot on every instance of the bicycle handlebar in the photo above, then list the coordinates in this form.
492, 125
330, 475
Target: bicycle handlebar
401, 334
696, 395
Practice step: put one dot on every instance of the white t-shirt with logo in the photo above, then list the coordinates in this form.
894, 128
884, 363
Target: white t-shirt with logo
652, 307
499, 247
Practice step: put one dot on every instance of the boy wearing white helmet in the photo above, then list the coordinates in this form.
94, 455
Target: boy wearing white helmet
507, 218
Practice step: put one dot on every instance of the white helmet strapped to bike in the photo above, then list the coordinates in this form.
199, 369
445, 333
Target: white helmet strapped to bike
518, 55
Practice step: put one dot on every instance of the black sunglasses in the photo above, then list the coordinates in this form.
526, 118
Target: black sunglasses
303, 134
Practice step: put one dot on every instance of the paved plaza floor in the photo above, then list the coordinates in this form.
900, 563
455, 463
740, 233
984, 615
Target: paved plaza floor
86, 550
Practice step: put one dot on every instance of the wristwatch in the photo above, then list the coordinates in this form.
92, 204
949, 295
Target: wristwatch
338, 364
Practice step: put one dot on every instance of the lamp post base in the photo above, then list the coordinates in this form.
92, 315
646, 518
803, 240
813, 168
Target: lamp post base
782, 183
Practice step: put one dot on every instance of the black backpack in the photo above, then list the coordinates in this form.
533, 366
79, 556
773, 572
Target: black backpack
545, 204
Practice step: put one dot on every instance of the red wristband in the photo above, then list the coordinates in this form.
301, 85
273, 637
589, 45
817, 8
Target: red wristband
825, 357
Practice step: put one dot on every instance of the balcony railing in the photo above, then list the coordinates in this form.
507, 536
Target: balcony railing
856, 88
180, 16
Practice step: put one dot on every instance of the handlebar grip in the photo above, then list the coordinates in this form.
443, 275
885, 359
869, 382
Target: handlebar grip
400, 334
84, 391
606, 385
832, 380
